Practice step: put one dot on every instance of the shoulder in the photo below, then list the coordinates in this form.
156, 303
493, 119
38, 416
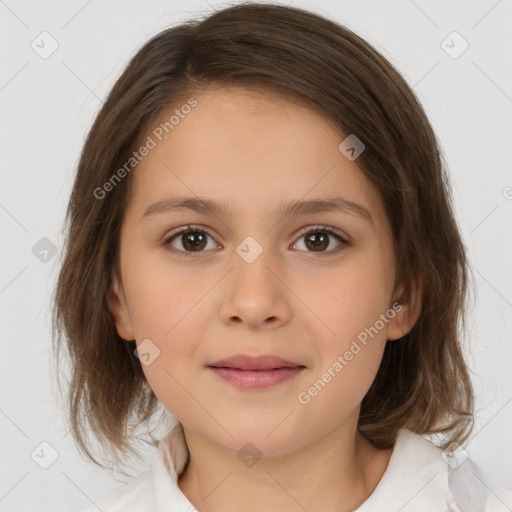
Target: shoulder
423, 477
135, 496
471, 492
157, 488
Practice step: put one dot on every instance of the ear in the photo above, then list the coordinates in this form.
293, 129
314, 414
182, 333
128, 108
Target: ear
407, 312
117, 305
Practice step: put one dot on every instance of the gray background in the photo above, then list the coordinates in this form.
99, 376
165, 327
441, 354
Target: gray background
47, 106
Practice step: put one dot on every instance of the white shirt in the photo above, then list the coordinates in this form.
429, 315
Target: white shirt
417, 479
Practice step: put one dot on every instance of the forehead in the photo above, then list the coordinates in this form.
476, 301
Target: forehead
250, 148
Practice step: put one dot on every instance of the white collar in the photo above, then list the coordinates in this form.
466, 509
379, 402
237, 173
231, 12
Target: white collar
416, 478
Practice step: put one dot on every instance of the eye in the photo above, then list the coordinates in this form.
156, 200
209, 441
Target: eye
194, 239
317, 240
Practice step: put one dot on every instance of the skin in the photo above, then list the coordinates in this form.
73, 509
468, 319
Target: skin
257, 150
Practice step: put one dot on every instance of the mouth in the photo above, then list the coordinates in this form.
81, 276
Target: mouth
246, 362
248, 372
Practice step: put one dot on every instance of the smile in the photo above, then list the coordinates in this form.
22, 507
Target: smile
256, 379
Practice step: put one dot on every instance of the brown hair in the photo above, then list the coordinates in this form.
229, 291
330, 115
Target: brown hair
423, 382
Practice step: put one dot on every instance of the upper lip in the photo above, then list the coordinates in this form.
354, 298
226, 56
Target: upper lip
246, 362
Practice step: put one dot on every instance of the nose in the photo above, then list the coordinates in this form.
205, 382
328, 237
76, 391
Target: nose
256, 295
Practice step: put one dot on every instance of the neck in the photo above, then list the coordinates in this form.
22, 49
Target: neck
337, 472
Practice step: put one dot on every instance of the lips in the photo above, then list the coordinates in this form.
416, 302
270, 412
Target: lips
255, 373
245, 362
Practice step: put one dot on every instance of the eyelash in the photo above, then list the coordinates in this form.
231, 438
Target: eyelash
315, 229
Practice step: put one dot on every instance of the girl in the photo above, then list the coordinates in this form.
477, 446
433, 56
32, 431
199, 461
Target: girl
261, 240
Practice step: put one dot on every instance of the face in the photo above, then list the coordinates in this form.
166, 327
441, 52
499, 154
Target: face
307, 286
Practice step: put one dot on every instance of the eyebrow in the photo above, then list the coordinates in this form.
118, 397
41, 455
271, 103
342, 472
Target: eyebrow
224, 209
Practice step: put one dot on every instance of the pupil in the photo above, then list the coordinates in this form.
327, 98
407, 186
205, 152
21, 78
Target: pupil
314, 240
189, 240
318, 240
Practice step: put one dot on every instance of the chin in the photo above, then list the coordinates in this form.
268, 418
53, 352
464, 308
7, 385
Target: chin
260, 439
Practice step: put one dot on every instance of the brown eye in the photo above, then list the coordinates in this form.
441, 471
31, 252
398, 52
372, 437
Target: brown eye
189, 240
319, 239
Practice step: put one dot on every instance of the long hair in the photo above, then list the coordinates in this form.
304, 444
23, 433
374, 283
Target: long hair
423, 382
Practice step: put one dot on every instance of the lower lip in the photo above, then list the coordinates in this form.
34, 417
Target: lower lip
256, 379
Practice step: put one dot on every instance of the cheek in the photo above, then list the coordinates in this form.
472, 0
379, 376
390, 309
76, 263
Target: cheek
350, 328
332, 396
350, 301
167, 308
175, 336
162, 295
350, 351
